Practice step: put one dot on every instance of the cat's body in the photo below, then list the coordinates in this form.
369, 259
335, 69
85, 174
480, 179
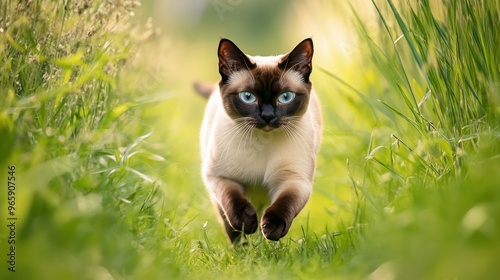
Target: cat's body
262, 128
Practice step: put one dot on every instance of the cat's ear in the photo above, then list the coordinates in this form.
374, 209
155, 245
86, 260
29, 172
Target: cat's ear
231, 59
300, 59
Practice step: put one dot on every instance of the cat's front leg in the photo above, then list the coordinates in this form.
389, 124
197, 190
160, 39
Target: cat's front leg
288, 200
235, 210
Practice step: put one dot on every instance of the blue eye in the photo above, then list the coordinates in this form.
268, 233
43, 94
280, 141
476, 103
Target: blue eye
247, 97
286, 97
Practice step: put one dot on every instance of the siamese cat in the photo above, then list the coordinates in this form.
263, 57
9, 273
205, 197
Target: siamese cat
261, 130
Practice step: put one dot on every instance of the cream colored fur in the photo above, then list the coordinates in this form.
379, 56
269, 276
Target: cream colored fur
254, 157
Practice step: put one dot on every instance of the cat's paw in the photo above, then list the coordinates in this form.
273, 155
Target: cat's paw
244, 219
273, 226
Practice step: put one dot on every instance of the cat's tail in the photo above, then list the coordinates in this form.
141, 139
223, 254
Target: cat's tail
204, 89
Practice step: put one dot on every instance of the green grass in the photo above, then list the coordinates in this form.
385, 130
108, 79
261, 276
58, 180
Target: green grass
103, 132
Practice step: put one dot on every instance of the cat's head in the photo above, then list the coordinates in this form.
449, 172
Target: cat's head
265, 92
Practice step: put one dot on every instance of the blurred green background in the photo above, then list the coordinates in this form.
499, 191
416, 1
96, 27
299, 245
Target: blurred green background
100, 119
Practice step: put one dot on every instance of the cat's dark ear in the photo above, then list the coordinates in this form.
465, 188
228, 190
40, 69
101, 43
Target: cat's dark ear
231, 59
300, 59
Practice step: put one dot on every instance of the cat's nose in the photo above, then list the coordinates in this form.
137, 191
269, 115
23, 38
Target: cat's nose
267, 112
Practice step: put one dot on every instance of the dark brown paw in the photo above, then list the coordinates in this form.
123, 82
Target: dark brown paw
245, 219
274, 227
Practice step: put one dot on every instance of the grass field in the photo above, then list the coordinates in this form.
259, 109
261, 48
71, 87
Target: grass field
99, 140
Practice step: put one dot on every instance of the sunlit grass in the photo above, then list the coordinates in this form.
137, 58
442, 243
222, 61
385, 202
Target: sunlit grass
420, 170
85, 196
102, 125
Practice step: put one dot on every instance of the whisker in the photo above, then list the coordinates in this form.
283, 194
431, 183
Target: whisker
243, 135
232, 134
299, 132
241, 131
229, 132
292, 136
